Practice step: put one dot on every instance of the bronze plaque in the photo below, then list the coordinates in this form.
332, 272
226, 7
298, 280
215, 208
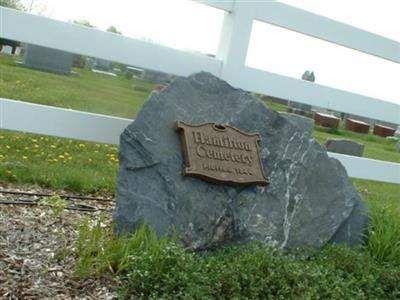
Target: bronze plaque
221, 154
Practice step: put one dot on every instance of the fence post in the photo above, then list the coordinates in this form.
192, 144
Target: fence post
234, 40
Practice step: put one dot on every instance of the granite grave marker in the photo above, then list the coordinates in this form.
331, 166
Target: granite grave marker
309, 201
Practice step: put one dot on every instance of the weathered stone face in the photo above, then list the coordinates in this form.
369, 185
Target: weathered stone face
309, 201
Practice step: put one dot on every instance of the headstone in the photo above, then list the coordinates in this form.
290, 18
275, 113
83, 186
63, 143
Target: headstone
344, 147
384, 131
102, 65
133, 72
326, 120
46, 59
357, 126
301, 106
309, 200
155, 77
10, 47
9, 50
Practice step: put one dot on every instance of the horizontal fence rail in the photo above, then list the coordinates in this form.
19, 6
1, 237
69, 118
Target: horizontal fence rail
106, 129
229, 64
92, 42
67, 123
303, 21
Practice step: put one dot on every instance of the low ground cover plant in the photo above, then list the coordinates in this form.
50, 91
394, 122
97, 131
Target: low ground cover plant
145, 267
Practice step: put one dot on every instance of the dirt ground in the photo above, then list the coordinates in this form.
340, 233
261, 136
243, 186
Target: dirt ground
36, 250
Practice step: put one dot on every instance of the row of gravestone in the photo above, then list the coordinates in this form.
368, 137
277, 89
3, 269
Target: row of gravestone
61, 62
331, 121
353, 123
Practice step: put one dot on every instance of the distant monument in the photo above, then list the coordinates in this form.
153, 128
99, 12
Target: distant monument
46, 59
344, 146
155, 77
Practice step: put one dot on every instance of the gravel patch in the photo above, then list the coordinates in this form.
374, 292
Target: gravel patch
36, 250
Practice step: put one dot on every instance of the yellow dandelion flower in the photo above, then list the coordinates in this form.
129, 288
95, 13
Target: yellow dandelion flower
61, 156
26, 148
66, 153
8, 172
1, 137
55, 160
8, 147
41, 153
34, 140
81, 145
36, 146
97, 145
96, 151
90, 160
24, 157
2, 156
69, 157
53, 146
18, 150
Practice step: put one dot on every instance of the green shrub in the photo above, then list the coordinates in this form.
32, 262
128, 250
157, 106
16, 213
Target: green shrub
384, 235
151, 268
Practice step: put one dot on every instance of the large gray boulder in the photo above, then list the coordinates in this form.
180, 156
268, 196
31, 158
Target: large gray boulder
309, 202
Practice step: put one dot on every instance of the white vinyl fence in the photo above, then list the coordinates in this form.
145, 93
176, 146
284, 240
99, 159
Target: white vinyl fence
229, 64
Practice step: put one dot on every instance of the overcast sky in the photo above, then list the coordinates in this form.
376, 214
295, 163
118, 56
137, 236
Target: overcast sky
185, 24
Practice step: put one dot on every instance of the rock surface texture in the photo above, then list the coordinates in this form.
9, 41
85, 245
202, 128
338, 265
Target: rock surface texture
309, 202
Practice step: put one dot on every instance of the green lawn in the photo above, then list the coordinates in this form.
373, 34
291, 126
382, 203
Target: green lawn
57, 163
375, 147
86, 91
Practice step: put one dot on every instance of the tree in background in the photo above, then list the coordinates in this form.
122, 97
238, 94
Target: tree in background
83, 23
15, 4
113, 30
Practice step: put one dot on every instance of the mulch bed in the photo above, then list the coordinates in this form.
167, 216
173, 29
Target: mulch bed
36, 260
